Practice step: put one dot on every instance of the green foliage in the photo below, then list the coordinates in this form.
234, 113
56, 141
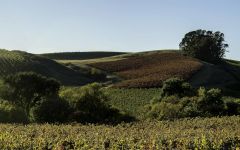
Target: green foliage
176, 86
174, 104
164, 111
25, 89
217, 133
210, 101
90, 105
51, 111
205, 45
232, 106
11, 114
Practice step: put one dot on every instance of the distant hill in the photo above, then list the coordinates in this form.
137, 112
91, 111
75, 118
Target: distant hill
17, 61
150, 69
80, 55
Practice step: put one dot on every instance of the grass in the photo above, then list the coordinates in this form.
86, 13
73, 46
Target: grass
198, 133
17, 61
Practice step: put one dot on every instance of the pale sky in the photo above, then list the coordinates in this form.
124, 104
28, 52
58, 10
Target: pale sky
40, 26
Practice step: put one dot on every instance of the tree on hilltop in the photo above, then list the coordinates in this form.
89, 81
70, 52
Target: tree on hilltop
205, 45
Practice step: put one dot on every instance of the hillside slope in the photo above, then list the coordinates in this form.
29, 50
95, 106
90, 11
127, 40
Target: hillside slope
16, 61
80, 55
147, 70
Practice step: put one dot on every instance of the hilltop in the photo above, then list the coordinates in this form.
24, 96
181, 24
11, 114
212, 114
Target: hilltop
80, 55
17, 61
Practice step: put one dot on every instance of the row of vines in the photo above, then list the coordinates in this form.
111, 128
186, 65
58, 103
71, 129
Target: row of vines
199, 133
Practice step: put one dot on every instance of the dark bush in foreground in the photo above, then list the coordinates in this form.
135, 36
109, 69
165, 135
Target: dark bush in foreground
11, 114
89, 105
233, 107
25, 89
50, 110
210, 101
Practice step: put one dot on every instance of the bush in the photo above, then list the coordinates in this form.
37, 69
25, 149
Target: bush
178, 100
190, 107
233, 107
89, 105
210, 101
164, 110
11, 114
25, 89
97, 74
176, 86
50, 110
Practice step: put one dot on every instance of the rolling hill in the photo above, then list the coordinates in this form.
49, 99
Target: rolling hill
17, 61
148, 70
80, 55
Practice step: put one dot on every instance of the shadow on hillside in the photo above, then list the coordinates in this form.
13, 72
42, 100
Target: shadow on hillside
225, 76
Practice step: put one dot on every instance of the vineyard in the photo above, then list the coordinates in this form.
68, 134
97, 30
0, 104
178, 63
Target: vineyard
17, 61
150, 70
199, 133
131, 101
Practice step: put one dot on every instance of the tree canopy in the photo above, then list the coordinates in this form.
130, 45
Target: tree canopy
208, 46
25, 89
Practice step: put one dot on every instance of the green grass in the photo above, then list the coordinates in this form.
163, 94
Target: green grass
17, 61
199, 133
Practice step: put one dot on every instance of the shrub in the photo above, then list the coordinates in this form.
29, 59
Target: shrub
50, 110
11, 114
24, 89
190, 107
233, 107
164, 110
97, 74
176, 86
89, 105
171, 99
210, 101
178, 100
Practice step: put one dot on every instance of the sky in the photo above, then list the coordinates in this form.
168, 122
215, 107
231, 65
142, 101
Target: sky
43, 26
